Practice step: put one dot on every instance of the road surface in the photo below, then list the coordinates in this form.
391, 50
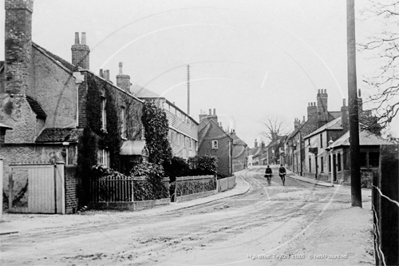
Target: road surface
269, 225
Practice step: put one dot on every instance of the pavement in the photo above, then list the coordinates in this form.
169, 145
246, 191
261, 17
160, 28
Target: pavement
13, 223
308, 180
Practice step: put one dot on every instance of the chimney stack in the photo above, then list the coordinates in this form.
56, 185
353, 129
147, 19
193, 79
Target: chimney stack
18, 45
312, 110
80, 52
123, 81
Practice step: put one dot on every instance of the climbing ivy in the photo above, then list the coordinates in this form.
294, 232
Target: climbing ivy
156, 133
112, 139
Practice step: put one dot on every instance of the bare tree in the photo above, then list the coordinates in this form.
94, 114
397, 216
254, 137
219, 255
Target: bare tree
274, 129
383, 47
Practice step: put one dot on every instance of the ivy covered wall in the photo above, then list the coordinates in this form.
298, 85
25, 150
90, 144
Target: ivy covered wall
91, 93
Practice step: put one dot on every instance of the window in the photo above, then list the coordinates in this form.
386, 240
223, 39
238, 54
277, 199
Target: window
321, 140
103, 114
363, 159
123, 122
374, 158
321, 165
215, 145
329, 163
310, 164
339, 162
103, 157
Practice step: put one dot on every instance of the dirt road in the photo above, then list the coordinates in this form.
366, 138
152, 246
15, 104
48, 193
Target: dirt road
295, 224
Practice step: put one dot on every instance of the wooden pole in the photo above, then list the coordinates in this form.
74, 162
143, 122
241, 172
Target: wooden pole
356, 192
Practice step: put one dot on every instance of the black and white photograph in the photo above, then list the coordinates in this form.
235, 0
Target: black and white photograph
199, 132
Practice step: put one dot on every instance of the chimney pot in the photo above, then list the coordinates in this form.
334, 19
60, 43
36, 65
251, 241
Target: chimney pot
210, 111
77, 38
84, 38
101, 73
120, 68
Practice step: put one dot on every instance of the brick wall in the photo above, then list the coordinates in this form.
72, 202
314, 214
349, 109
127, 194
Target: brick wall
223, 151
25, 153
18, 45
71, 189
54, 88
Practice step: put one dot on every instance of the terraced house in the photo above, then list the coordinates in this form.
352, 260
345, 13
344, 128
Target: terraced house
59, 113
183, 135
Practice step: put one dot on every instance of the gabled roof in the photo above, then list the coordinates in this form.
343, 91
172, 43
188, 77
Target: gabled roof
59, 135
256, 151
332, 125
142, 92
366, 138
36, 107
204, 128
237, 140
65, 64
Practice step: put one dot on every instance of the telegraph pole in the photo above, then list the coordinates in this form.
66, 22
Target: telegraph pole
188, 89
356, 192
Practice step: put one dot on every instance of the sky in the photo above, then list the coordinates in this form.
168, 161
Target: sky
251, 60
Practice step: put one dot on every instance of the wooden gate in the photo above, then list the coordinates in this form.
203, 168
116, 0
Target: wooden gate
37, 188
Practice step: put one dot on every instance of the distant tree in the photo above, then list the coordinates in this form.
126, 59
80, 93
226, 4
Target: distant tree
383, 48
274, 129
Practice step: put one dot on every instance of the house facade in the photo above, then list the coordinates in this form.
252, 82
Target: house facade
213, 140
60, 111
183, 129
340, 159
294, 144
240, 152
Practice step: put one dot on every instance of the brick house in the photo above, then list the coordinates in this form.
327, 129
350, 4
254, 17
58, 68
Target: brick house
51, 104
240, 152
369, 155
183, 129
317, 116
253, 154
213, 140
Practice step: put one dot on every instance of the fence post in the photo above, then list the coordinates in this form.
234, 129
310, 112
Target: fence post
389, 219
375, 207
1, 188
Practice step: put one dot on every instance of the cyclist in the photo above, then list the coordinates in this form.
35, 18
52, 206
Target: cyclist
282, 173
268, 174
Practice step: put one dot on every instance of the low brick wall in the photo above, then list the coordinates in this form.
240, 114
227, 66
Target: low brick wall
196, 196
191, 185
129, 206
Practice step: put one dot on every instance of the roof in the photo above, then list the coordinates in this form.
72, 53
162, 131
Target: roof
142, 92
237, 140
36, 107
4, 126
332, 125
366, 138
335, 114
59, 135
204, 129
70, 67
255, 151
